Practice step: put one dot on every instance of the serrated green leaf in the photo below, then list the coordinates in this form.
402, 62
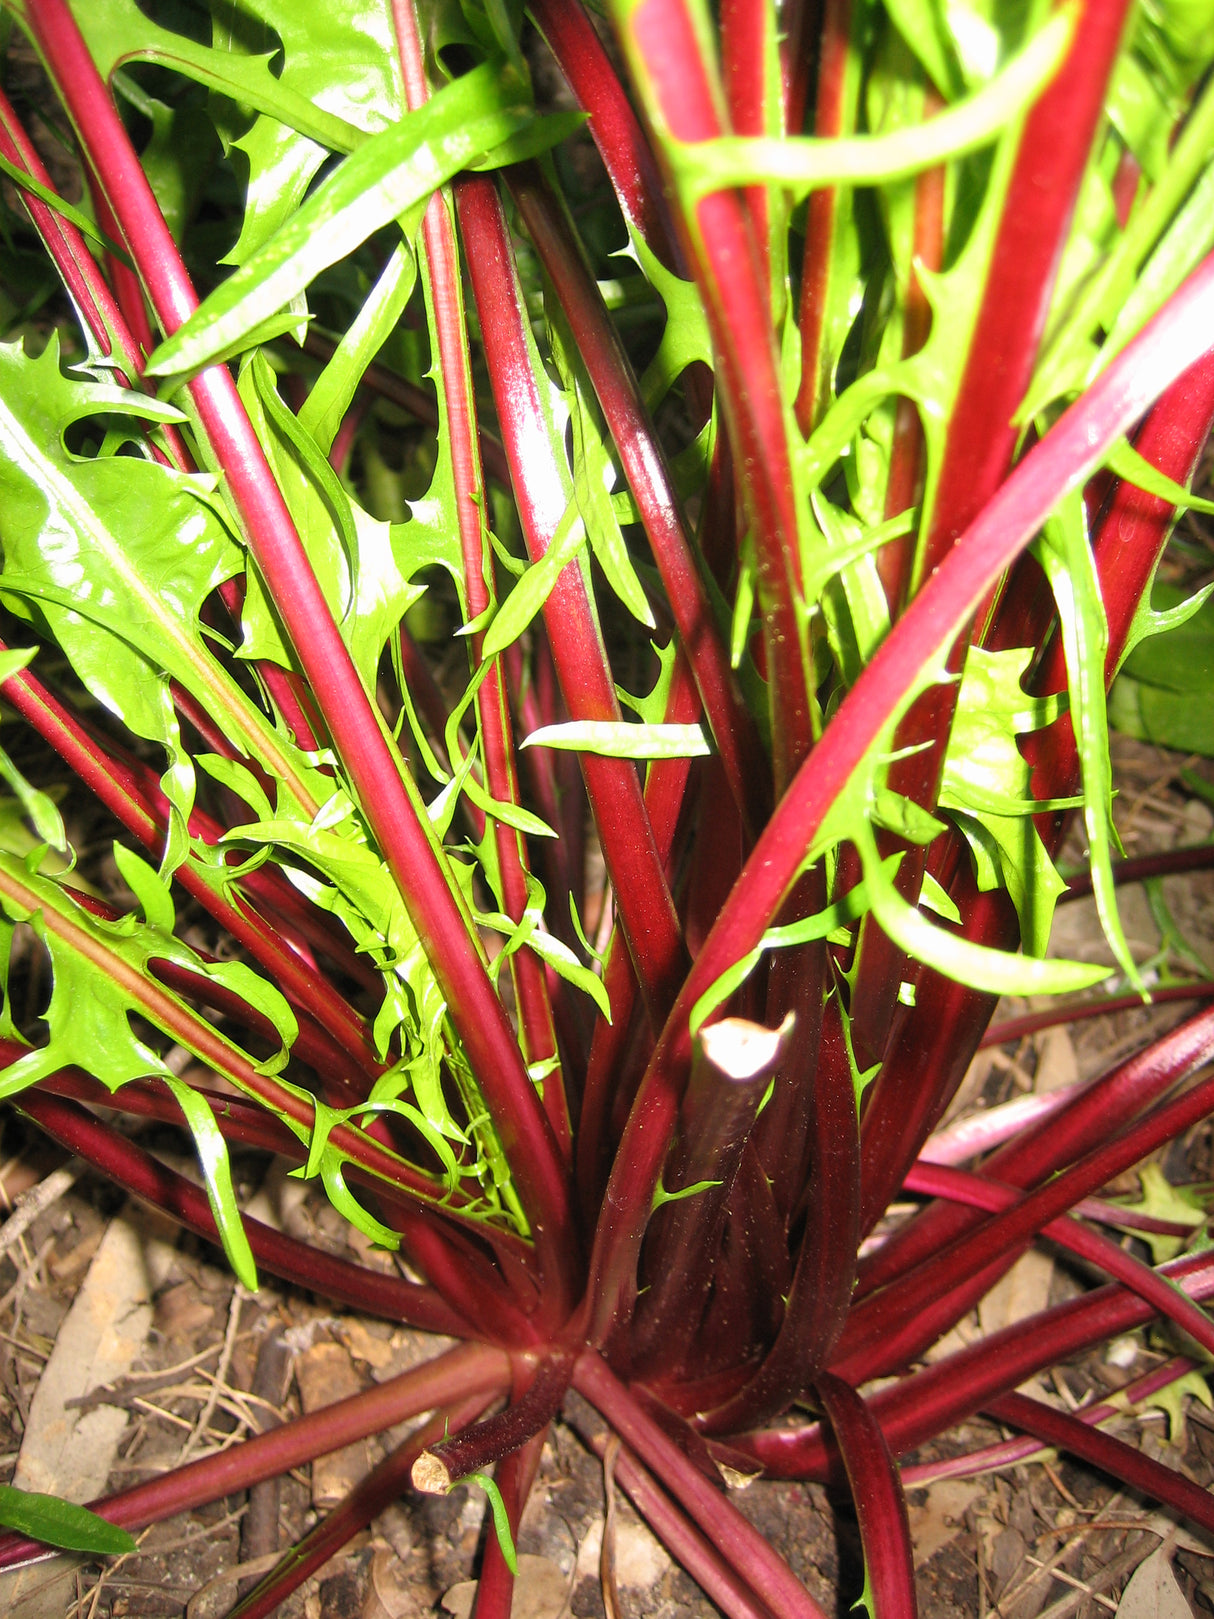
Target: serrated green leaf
116, 556
119, 31
1066, 558
985, 784
853, 905
995, 972
60, 1523
533, 589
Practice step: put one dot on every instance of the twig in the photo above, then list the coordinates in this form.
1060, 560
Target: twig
31, 1204
239, 1295
611, 1591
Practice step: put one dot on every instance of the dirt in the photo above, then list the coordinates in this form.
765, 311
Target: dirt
214, 1365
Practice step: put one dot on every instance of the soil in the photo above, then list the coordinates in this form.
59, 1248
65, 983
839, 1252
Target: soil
212, 1364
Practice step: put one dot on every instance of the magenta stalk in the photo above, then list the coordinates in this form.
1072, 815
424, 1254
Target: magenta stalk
728, 1079
1081, 1240
390, 1297
683, 96
1125, 1463
927, 1402
1011, 1451
679, 1534
1059, 462
644, 466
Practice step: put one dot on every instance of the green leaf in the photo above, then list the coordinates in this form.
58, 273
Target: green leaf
148, 887
389, 175
501, 1518
334, 389
1125, 461
844, 911
87, 227
595, 472
661, 1196
986, 784
535, 586
623, 739
119, 31
60, 1523
805, 163
102, 975
216, 1169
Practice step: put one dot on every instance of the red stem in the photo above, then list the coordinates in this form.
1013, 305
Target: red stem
819, 348
747, 29
692, 1550
896, 1324
497, 745
543, 491
1121, 1093
1012, 1029
391, 1297
514, 1476
1113, 1456
687, 98
626, 153
605, 1071
876, 1489
1010, 1451
980, 1193
738, 1543
485, 1443
925, 1403
817, 1303
470, 1371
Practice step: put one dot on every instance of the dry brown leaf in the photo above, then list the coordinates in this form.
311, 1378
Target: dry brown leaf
939, 1519
1023, 1292
66, 1451
1153, 1592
